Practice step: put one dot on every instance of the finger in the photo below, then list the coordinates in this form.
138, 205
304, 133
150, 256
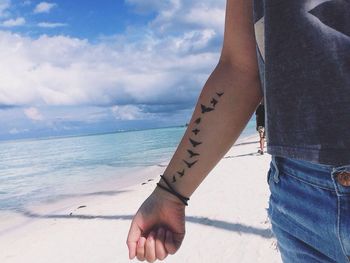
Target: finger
161, 252
169, 243
133, 237
150, 248
140, 249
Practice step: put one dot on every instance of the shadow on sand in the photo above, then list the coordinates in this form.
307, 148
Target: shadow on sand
234, 227
68, 196
242, 155
246, 143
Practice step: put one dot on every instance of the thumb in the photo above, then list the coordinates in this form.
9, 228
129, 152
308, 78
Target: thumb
133, 237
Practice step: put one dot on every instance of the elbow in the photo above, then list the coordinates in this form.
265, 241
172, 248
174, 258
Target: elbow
243, 62
230, 65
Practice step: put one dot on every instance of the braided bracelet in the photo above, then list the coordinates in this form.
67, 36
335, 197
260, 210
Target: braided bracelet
171, 190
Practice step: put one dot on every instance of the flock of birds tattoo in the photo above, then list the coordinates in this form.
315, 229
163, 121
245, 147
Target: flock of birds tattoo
193, 152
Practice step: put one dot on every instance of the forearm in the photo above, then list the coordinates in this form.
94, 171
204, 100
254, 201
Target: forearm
224, 107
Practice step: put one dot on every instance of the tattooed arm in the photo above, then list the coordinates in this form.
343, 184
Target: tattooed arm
225, 105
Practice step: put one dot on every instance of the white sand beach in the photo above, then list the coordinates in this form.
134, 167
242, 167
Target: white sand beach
226, 219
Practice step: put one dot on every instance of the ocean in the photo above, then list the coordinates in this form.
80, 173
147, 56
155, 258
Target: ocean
41, 170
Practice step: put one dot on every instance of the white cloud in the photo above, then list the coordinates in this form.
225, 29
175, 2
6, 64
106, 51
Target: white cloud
51, 25
66, 71
142, 6
15, 131
155, 68
44, 7
205, 16
179, 14
4, 5
33, 114
128, 112
26, 2
194, 40
20, 21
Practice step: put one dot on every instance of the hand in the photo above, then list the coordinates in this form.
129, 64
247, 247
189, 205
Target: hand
158, 227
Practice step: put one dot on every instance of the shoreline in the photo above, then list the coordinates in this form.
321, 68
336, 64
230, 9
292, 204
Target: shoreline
82, 135
114, 179
139, 176
227, 217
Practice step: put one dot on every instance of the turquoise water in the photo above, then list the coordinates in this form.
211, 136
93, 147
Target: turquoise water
39, 170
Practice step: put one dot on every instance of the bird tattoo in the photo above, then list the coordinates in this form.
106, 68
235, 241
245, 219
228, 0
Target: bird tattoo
214, 102
198, 120
195, 131
206, 109
192, 153
194, 143
219, 94
182, 173
174, 179
189, 165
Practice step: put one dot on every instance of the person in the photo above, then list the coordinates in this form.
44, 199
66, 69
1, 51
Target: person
260, 126
295, 55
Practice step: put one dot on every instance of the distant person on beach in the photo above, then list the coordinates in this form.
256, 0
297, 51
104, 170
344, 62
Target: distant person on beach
295, 55
260, 126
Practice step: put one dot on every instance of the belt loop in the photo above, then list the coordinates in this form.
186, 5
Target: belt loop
276, 174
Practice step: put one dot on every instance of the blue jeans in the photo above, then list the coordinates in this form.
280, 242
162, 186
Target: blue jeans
309, 209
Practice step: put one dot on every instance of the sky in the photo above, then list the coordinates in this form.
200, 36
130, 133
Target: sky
82, 67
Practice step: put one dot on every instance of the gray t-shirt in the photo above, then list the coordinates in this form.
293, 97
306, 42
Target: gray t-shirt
303, 48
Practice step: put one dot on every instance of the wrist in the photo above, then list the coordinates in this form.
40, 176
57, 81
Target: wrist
164, 195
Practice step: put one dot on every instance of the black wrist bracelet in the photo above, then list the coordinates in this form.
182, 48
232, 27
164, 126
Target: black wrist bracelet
171, 190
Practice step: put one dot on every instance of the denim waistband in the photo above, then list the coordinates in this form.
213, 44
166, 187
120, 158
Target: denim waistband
320, 175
